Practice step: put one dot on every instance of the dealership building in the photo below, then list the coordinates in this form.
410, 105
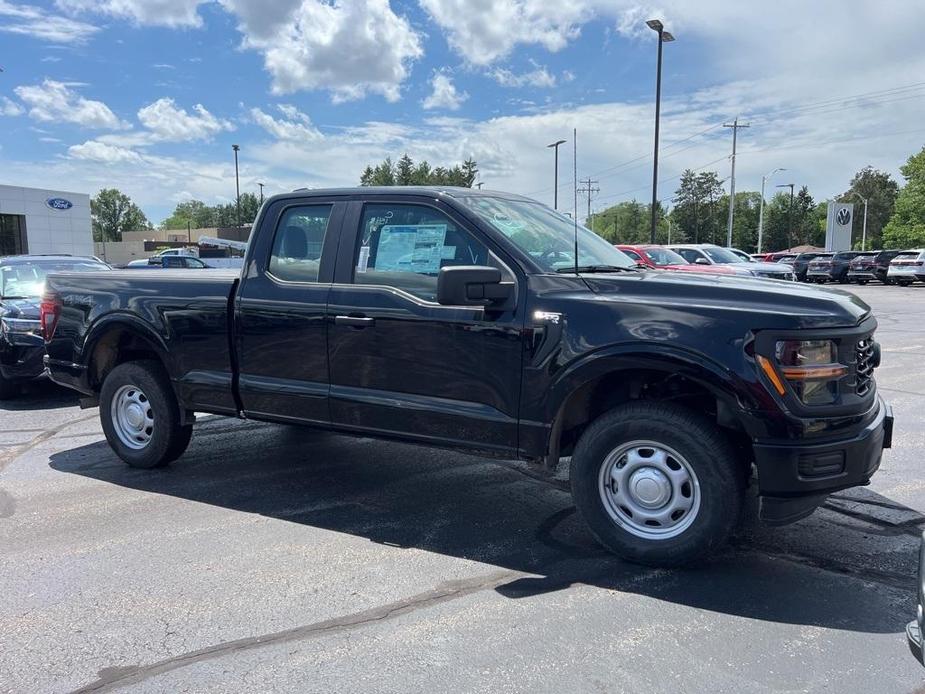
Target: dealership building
41, 221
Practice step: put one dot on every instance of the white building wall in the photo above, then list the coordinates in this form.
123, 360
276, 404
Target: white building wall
50, 230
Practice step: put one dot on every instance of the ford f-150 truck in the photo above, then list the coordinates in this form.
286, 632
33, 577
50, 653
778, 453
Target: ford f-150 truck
486, 321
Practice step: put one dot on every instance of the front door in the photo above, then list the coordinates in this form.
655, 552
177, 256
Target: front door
401, 363
281, 309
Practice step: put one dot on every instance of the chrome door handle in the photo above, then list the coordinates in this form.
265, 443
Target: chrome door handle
355, 321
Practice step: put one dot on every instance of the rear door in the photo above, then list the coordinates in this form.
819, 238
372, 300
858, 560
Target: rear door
402, 364
280, 324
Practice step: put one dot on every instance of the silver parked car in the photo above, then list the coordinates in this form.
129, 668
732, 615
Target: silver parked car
708, 254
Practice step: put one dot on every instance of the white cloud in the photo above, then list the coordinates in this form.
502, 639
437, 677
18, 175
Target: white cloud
169, 13
100, 152
8, 107
444, 94
36, 22
166, 121
56, 102
483, 31
539, 77
350, 47
295, 126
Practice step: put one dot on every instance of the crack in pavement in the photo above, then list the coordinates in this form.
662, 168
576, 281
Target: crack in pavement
117, 677
9, 456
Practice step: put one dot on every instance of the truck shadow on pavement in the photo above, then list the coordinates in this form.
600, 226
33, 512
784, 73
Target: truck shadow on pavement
851, 566
40, 395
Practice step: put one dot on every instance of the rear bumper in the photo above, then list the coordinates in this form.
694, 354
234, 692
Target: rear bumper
793, 479
861, 275
68, 374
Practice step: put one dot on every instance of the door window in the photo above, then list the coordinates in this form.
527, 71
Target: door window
633, 254
296, 253
404, 246
690, 255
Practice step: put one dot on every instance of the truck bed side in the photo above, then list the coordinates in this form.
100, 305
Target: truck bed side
181, 317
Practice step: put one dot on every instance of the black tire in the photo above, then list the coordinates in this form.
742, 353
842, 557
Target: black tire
8, 389
168, 438
718, 472
862, 282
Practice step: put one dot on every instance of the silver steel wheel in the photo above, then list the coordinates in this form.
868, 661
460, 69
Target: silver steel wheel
132, 417
649, 490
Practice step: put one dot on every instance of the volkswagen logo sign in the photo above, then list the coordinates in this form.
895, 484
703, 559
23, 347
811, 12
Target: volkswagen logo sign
843, 216
59, 203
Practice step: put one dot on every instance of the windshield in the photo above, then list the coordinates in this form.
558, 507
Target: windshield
721, 256
27, 280
665, 256
546, 236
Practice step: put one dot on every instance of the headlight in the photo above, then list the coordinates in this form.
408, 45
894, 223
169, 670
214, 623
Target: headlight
810, 367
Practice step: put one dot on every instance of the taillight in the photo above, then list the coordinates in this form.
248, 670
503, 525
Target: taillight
49, 311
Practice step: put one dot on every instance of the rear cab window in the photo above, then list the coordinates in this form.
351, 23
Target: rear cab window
297, 244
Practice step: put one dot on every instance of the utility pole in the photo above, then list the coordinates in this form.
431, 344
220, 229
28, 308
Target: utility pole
589, 187
237, 186
764, 179
735, 125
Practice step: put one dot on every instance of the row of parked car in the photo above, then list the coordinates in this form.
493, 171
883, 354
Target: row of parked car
706, 257
889, 267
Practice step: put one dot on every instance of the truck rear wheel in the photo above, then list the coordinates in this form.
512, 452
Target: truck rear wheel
140, 415
657, 484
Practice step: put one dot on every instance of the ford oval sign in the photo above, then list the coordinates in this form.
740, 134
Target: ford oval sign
59, 203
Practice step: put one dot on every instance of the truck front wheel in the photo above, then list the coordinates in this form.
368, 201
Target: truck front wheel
657, 484
140, 415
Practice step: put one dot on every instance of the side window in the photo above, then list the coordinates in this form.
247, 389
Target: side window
689, 254
634, 255
296, 253
194, 262
404, 246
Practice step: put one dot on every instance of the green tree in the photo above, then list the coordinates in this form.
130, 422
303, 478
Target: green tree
250, 203
630, 223
880, 190
407, 173
112, 212
906, 228
194, 213
695, 206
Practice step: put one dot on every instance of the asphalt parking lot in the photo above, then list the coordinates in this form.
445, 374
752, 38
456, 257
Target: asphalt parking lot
271, 558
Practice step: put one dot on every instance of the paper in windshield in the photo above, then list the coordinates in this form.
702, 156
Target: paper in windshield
410, 248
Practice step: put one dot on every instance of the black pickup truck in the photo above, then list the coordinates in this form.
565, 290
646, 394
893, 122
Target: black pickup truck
462, 318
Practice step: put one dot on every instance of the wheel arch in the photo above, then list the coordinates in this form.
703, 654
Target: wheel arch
117, 339
605, 380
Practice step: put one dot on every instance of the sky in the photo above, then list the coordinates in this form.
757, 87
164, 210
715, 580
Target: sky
148, 96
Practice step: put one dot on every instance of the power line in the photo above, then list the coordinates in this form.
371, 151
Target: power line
590, 187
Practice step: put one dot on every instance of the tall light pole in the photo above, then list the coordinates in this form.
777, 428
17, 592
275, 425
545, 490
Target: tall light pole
555, 194
789, 215
864, 234
237, 187
663, 37
764, 179
261, 192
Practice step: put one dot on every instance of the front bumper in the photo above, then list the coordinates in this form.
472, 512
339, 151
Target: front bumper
24, 364
795, 478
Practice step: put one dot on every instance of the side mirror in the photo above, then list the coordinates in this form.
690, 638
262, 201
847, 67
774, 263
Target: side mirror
472, 285
641, 265
701, 261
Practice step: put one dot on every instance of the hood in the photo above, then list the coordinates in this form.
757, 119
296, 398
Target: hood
769, 267
778, 304
20, 308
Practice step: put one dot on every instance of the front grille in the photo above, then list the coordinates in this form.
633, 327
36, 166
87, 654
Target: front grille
779, 275
864, 367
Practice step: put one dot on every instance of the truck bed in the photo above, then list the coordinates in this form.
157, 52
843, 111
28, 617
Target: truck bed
184, 313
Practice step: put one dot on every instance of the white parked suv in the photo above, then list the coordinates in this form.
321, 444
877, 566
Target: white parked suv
708, 254
907, 267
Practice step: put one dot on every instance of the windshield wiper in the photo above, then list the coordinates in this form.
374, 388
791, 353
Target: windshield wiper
597, 268
7, 298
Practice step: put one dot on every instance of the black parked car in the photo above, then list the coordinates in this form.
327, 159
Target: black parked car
462, 318
861, 267
882, 265
916, 627
801, 264
831, 267
22, 279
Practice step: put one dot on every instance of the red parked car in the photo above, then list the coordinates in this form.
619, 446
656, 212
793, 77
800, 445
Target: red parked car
661, 258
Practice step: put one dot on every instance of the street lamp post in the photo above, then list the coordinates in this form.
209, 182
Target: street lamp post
663, 37
764, 179
555, 194
237, 186
864, 233
261, 192
789, 215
